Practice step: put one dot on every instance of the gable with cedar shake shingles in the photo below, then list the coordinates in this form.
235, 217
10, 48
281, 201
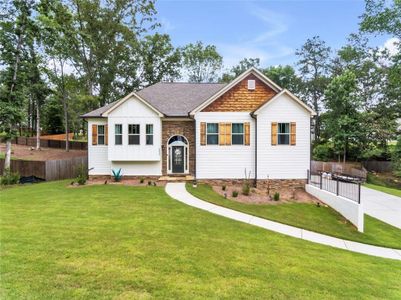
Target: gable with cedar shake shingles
239, 98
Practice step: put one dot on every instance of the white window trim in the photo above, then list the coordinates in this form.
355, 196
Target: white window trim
218, 134
243, 134
148, 134
289, 133
120, 134
133, 134
103, 134
170, 157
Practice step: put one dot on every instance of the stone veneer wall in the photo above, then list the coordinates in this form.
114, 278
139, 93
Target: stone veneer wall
185, 128
274, 184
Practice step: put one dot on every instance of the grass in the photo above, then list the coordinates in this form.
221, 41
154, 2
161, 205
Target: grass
388, 190
136, 243
308, 216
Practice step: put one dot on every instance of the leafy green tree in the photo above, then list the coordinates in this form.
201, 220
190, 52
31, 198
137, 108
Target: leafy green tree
343, 119
285, 77
201, 63
237, 70
16, 34
314, 70
159, 60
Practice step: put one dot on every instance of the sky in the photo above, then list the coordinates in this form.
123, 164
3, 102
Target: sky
269, 30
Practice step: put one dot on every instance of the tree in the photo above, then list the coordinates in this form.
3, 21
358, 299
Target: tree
314, 69
342, 119
237, 70
201, 62
16, 35
285, 77
159, 60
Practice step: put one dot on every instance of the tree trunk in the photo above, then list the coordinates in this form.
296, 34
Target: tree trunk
7, 160
67, 141
37, 125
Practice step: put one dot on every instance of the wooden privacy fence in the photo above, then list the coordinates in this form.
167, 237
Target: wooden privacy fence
48, 170
352, 169
52, 143
378, 166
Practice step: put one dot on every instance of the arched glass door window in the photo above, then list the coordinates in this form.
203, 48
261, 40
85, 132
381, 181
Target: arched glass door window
177, 155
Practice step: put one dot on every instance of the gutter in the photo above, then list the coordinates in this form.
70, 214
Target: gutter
256, 148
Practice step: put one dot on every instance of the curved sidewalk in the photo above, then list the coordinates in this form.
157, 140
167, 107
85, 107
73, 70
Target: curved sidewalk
179, 192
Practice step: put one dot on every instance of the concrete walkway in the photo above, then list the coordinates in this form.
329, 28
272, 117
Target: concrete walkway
382, 206
178, 192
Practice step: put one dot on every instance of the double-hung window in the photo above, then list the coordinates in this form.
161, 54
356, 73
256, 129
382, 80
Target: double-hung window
100, 135
237, 134
133, 134
283, 134
149, 134
118, 134
212, 133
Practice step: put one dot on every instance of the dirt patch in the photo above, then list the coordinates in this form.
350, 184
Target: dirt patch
260, 196
28, 153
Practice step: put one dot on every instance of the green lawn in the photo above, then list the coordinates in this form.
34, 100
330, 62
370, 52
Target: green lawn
125, 242
309, 216
384, 189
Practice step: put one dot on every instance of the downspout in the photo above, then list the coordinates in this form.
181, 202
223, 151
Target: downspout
256, 149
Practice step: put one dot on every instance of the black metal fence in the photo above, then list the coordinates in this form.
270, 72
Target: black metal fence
325, 181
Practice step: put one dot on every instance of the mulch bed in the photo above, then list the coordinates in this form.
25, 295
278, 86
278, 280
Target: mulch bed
260, 196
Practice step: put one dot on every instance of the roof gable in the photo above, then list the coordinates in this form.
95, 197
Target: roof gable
291, 96
252, 71
239, 98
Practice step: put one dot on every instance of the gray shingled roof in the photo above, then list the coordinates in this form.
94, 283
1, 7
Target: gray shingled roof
171, 99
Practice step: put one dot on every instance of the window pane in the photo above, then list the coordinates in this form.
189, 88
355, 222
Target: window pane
283, 139
100, 129
283, 127
133, 128
212, 139
149, 139
100, 139
149, 128
118, 129
237, 139
237, 128
133, 139
118, 139
212, 128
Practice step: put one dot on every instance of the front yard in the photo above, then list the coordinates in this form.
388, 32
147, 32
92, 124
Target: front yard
308, 216
135, 242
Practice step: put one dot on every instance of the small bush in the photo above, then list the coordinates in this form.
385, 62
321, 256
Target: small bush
9, 178
235, 194
82, 174
117, 175
246, 188
141, 180
276, 196
224, 187
149, 183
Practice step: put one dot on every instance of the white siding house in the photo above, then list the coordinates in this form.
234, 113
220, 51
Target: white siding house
98, 162
228, 161
283, 161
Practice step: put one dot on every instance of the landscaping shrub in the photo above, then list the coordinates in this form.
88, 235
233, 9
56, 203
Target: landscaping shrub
323, 152
149, 183
246, 188
224, 187
235, 194
82, 174
9, 177
141, 180
276, 196
117, 175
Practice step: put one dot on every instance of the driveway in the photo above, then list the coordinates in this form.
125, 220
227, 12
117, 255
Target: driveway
382, 206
